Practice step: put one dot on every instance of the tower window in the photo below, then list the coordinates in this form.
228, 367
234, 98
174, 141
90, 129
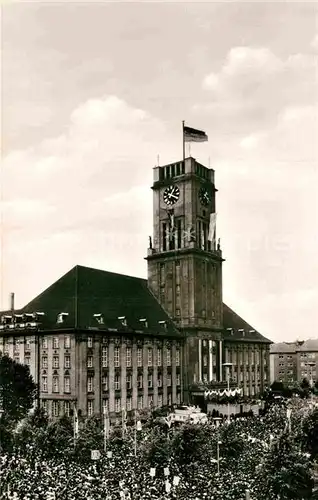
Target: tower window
182, 168
178, 168
164, 236
179, 232
172, 170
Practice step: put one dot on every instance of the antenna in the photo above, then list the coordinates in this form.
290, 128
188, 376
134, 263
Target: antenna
12, 302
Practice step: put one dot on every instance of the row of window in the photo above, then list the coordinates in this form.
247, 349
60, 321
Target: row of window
56, 384
150, 357
58, 408
105, 385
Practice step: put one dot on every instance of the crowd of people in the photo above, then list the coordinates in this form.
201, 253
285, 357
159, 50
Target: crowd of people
223, 472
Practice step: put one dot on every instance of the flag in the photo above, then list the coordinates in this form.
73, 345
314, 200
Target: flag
75, 423
194, 135
212, 227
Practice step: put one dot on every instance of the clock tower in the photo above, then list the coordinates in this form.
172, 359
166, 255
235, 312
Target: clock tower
185, 264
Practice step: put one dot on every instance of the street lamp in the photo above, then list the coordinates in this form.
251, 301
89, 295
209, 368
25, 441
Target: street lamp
228, 365
311, 364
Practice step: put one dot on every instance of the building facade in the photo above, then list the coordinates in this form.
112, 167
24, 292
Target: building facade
101, 340
293, 361
185, 275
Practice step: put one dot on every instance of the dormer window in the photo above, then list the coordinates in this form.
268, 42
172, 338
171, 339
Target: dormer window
164, 324
61, 317
144, 322
123, 320
241, 330
99, 318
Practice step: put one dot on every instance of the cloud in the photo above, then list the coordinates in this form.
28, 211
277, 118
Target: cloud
83, 193
253, 85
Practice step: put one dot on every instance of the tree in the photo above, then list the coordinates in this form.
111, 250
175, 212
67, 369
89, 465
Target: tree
286, 472
310, 434
17, 390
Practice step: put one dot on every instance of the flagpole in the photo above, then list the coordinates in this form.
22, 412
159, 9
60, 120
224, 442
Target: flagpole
105, 430
183, 141
135, 435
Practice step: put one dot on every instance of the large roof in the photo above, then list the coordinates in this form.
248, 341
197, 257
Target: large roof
283, 347
294, 347
84, 292
238, 329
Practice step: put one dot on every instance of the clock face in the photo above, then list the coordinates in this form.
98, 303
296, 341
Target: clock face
171, 195
204, 196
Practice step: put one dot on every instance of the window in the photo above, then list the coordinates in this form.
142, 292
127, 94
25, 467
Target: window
168, 357
90, 383
67, 361
150, 357
117, 405
169, 380
104, 357
44, 384
55, 342
44, 361
67, 342
139, 381
159, 357
280, 356
204, 343
27, 343
140, 403
205, 360
117, 382
55, 362
169, 399
105, 383
105, 405
89, 342
178, 381
150, 381
178, 398
89, 361
44, 343
45, 405
27, 361
55, 384
17, 359
55, 408
67, 384
128, 381
128, 404
177, 357
159, 401
150, 401
116, 357
159, 380
139, 356
67, 408
128, 357
90, 408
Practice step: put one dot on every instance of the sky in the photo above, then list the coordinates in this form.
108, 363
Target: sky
92, 93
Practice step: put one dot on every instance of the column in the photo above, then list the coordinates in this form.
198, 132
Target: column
200, 359
111, 377
123, 385
134, 375
210, 361
220, 360
145, 374
173, 372
155, 374
97, 375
